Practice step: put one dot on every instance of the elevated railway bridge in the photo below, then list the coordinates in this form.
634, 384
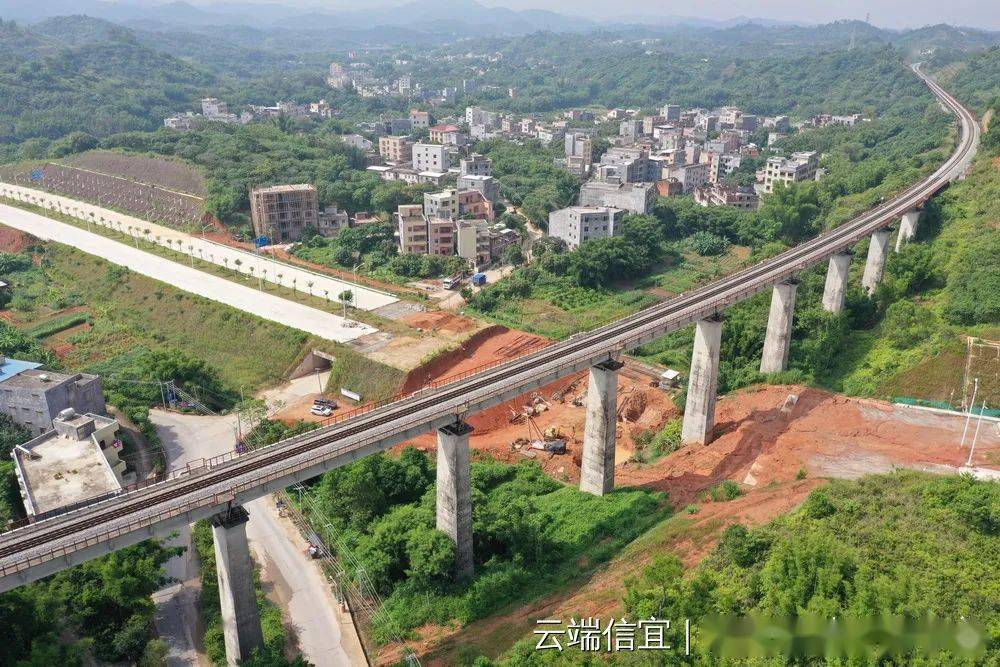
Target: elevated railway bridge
217, 488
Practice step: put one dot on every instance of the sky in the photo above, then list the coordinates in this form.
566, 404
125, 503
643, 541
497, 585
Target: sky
884, 13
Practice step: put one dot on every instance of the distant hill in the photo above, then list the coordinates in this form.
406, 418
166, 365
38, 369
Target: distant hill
91, 75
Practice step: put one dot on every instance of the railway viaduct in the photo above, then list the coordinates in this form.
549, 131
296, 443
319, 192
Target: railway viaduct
216, 489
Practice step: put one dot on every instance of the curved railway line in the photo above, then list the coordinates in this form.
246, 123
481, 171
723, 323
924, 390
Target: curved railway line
137, 514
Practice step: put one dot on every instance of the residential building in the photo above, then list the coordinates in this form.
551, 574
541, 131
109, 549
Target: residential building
395, 149
73, 462
576, 224
398, 126
453, 204
630, 129
476, 165
357, 141
281, 212
331, 220
472, 242
778, 123
447, 134
825, 119
579, 153
441, 236
34, 397
489, 186
632, 197
722, 164
716, 194
420, 120
649, 122
213, 106
411, 229
549, 135
627, 165
689, 175
671, 112
669, 187
800, 166
479, 116
431, 157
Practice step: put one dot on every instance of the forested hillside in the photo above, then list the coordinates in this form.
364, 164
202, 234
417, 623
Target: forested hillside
82, 79
901, 544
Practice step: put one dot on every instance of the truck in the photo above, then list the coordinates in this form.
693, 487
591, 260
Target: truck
478, 279
451, 282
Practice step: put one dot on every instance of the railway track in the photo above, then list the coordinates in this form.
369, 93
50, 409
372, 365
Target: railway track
25, 547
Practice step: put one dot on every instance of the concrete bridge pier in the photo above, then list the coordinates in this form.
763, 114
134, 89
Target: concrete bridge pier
237, 597
703, 382
597, 472
454, 493
836, 282
779, 328
878, 251
907, 229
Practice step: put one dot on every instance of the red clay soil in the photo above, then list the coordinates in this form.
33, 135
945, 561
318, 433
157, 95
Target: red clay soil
14, 240
440, 320
763, 440
825, 434
490, 345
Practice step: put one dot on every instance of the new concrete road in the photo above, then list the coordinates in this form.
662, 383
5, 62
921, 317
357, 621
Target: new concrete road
324, 634
250, 300
264, 268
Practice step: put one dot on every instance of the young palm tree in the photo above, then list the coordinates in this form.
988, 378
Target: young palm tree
346, 297
309, 284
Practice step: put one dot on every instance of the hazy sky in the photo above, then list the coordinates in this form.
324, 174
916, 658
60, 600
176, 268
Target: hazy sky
885, 13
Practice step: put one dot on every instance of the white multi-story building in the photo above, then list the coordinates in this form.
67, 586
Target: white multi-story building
632, 197
576, 224
476, 165
799, 167
431, 157
689, 176
716, 194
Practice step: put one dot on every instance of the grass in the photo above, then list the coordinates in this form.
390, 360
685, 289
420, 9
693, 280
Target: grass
129, 310
691, 270
57, 324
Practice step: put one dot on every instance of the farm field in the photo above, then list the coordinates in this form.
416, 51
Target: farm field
165, 172
154, 189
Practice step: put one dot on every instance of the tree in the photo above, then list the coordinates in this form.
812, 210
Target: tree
513, 255
431, 556
346, 297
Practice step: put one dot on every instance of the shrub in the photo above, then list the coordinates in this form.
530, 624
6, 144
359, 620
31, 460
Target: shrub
728, 490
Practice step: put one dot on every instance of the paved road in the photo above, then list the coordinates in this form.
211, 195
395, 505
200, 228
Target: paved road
325, 635
365, 298
247, 299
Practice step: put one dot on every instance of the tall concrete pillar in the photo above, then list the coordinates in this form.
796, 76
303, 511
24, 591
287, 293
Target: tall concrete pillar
703, 382
597, 473
836, 282
878, 250
779, 328
454, 493
238, 599
907, 229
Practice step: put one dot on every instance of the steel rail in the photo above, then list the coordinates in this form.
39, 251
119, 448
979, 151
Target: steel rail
156, 500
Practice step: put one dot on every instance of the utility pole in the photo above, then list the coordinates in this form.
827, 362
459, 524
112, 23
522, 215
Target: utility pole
968, 416
975, 437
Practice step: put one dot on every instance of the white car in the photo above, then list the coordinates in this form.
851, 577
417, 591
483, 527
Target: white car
321, 410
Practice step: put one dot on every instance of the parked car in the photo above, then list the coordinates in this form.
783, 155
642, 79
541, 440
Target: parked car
321, 410
325, 401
